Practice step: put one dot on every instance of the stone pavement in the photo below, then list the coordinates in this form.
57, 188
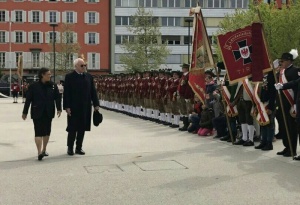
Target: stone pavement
129, 161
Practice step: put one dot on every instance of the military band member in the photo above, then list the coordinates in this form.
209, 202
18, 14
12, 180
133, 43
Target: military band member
173, 98
186, 96
288, 73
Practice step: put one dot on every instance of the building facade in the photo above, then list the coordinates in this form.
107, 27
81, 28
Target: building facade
27, 29
172, 15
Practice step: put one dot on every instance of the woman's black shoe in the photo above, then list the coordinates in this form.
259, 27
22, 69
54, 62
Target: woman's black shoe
40, 157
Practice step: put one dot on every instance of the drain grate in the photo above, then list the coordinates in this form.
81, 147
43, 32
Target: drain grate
103, 168
159, 165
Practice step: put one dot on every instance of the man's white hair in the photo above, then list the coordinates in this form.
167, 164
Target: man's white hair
75, 62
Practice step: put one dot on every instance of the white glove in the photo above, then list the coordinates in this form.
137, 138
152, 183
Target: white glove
278, 86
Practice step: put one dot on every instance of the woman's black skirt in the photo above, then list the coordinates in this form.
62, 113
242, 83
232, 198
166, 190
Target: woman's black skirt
42, 126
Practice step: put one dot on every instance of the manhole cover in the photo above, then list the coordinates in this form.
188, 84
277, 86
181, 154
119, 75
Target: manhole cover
160, 165
103, 168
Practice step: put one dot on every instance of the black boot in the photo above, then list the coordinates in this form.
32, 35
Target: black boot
269, 146
185, 124
261, 145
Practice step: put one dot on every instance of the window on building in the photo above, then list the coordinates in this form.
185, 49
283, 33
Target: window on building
19, 16
92, 1
35, 59
2, 59
35, 16
2, 36
35, 37
52, 36
171, 40
171, 21
92, 38
170, 3
35, 0
120, 39
93, 63
70, 17
147, 3
127, 3
19, 36
239, 3
123, 20
186, 40
91, 17
70, 60
69, 37
69, 0
216, 4
192, 3
53, 0
2, 16
52, 16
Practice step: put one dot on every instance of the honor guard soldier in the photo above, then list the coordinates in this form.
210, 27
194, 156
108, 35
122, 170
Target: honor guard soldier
186, 96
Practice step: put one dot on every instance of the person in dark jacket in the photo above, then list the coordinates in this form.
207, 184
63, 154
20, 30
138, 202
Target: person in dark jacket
268, 95
79, 93
206, 126
195, 116
43, 97
290, 85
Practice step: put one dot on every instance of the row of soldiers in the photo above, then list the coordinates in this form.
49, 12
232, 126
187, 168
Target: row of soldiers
162, 96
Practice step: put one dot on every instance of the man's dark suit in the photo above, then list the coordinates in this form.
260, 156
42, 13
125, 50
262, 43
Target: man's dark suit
79, 93
42, 97
291, 74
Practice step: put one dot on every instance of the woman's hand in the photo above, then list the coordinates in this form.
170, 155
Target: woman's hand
58, 113
24, 117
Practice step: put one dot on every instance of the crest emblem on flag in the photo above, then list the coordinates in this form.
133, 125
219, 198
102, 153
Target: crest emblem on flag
244, 52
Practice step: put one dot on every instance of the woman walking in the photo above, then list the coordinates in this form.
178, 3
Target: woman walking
43, 96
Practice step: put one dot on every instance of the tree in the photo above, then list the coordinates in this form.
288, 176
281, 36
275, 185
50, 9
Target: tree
282, 31
65, 47
144, 51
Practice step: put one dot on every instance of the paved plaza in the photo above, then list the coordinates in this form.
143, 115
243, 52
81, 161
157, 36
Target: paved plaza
129, 161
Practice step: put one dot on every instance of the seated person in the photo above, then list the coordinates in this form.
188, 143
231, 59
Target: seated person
194, 118
206, 126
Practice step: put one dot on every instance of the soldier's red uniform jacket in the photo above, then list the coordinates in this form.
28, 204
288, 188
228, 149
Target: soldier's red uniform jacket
139, 89
15, 87
166, 88
184, 89
146, 82
173, 89
160, 90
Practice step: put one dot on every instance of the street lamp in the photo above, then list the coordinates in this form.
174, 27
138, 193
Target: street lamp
53, 41
189, 20
10, 57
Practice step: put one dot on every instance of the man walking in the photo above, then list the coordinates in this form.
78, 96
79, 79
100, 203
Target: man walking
79, 93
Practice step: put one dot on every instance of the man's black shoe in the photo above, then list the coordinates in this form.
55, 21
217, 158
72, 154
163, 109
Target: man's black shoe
70, 151
224, 138
260, 146
288, 154
283, 151
248, 144
240, 142
174, 126
267, 147
79, 151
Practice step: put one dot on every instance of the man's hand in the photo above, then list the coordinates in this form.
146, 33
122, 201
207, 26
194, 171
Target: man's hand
58, 113
24, 117
278, 86
68, 110
96, 108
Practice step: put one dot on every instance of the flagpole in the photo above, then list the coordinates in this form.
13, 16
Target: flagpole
209, 45
276, 81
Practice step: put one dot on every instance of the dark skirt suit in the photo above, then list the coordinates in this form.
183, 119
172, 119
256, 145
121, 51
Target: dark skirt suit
43, 98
